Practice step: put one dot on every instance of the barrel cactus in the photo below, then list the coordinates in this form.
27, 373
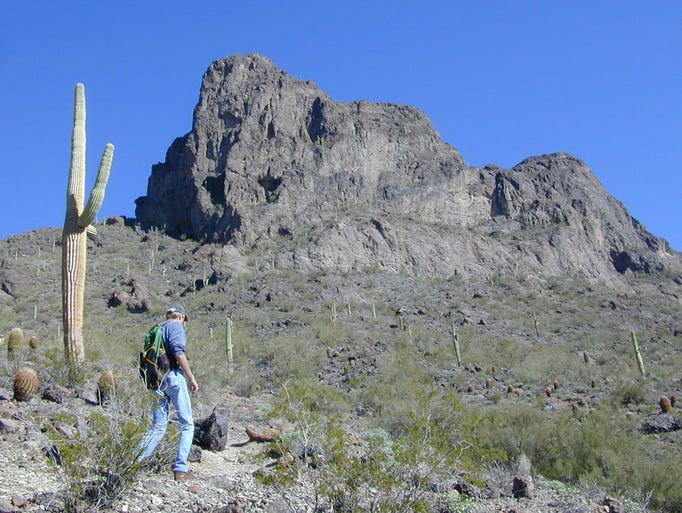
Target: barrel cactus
33, 342
26, 384
665, 404
15, 342
107, 385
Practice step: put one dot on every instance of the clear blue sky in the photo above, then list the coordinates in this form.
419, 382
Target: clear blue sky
500, 80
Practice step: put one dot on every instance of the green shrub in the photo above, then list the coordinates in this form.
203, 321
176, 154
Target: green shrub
99, 461
628, 393
605, 448
380, 474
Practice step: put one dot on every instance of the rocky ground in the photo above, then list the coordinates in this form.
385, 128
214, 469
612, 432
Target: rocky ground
225, 481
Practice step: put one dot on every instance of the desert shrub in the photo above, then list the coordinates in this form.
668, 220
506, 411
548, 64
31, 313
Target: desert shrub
312, 396
328, 333
288, 356
619, 458
401, 385
454, 436
543, 361
382, 476
605, 448
8, 367
628, 393
55, 368
558, 447
660, 479
99, 461
207, 350
245, 380
377, 472
455, 429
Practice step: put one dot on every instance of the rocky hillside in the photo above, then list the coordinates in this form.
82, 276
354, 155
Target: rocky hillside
548, 362
274, 162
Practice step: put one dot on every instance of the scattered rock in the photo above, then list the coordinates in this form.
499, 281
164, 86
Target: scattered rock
230, 508
19, 501
277, 505
522, 487
262, 434
211, 433
7, 507
661, 423
133, 294
8, 426
115, 220
612, 505
195, 454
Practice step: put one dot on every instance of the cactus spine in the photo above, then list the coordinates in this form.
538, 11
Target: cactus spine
77, 224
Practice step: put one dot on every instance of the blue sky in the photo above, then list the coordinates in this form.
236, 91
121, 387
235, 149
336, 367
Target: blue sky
500, 80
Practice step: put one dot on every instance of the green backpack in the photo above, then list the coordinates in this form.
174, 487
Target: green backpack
154, 362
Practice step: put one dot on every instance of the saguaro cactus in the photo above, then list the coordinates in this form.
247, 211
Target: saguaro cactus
638, 355
77, 225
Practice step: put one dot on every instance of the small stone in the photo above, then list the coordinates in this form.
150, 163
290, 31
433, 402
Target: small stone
8, 426
277, 505
230, 508
612, 505
286, 460
262, 434
6, 507
19, 501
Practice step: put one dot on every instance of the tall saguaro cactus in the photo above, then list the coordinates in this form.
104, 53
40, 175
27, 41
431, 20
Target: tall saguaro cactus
77, 225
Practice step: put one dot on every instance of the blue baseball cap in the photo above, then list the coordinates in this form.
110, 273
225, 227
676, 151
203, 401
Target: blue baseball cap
177, 308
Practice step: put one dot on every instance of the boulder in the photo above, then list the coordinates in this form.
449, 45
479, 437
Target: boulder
211, 432
661, 423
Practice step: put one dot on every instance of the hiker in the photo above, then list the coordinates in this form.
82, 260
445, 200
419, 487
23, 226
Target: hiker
174, 391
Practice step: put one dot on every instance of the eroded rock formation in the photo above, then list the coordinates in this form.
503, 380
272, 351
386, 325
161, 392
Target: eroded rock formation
273, 162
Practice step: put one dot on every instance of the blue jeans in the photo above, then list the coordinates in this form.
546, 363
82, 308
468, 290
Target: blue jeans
177, 394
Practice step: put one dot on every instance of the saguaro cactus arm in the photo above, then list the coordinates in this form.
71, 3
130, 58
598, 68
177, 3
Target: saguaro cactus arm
97, 195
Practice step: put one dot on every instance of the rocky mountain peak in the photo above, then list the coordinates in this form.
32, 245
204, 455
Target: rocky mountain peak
274, 162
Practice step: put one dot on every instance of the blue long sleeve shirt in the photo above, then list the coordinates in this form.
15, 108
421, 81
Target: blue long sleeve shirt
175, 339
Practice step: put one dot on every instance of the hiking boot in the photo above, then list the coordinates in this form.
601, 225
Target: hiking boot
179, 475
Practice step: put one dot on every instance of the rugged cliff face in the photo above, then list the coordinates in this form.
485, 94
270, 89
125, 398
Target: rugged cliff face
274, 163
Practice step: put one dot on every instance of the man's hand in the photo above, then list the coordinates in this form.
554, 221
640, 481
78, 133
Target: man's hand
193, 385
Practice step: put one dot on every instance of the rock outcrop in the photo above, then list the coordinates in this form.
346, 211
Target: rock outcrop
273, 162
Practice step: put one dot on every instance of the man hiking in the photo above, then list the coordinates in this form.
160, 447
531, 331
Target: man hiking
174, 391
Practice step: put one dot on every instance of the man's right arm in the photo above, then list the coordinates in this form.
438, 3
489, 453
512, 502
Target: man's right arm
183, 363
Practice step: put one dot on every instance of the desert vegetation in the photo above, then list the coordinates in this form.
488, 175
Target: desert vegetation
363, 370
